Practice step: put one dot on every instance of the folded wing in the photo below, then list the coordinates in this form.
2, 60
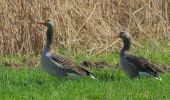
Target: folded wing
143, 65
69, 66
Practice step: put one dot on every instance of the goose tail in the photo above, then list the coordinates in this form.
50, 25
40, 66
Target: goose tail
158, 78
92, 76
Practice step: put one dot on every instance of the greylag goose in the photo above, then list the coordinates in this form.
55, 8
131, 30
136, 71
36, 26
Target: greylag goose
132, 65
55, 64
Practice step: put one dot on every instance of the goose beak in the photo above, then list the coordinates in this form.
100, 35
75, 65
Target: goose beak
117, 36
41, 22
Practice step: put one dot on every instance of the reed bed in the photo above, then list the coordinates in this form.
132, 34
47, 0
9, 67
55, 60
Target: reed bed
87, 25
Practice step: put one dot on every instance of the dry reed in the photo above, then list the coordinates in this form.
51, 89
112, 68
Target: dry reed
87, 25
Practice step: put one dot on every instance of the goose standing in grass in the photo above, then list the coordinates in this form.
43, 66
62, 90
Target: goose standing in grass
55, 64
132, 65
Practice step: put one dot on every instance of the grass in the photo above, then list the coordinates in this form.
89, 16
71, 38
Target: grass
36, 84
33, 83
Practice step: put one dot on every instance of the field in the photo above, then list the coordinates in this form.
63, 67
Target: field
31, 82
84, 30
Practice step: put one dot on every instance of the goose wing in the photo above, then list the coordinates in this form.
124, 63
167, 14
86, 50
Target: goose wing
132, 71
68, 66
143, 64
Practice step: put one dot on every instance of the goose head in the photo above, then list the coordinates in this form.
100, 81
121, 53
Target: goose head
47, 23
123, 35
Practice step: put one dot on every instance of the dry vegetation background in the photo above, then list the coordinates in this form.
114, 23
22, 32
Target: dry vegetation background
87, 25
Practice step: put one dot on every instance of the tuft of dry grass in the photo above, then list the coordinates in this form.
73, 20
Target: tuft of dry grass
87, 25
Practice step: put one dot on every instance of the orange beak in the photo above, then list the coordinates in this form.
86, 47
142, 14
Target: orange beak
41, 22
117, 36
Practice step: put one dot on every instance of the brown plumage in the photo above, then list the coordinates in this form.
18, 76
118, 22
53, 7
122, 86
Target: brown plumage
55, 64
70, 66
133, 65
143, 64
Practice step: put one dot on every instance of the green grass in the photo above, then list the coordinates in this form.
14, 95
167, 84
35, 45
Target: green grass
111, 84
35, 84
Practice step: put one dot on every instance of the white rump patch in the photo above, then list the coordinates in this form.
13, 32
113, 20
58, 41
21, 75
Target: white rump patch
158, 78
144, 74
73, 76
92, 77
149, 75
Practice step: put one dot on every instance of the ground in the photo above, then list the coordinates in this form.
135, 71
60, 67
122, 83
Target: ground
21, 77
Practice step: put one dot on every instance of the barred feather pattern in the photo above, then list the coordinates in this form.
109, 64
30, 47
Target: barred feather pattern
70, 66
143, 64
